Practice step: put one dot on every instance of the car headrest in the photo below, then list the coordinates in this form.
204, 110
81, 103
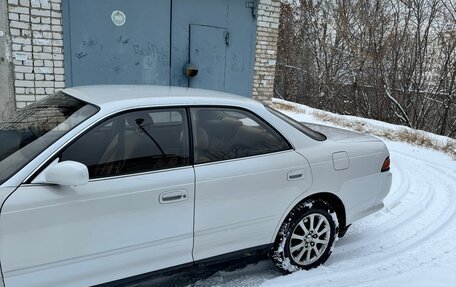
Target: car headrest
139, 118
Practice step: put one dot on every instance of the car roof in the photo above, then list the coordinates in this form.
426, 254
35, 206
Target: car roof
134, 95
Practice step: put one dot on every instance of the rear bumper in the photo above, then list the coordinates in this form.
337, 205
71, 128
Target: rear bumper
377, 191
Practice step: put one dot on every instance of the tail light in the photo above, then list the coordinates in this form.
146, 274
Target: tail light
386, 164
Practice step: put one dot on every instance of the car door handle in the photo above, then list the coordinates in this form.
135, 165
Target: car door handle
295, 174
173, 196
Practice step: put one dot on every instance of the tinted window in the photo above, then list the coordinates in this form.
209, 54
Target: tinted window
299, 126
133, 142
36, 127
225, 133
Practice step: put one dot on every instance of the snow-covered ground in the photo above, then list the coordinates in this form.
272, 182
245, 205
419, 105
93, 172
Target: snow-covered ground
411, 242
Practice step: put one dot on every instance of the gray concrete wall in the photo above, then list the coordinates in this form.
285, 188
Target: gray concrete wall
7, 102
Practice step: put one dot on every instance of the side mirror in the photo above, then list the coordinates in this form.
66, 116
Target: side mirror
67, 173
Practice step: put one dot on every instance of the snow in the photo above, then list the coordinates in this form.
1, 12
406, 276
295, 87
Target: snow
412, 241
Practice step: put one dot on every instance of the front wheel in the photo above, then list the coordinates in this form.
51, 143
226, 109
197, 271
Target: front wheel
306, 237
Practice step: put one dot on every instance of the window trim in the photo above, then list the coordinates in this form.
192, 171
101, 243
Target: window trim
290, 145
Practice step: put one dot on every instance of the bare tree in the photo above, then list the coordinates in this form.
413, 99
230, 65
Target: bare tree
391, 60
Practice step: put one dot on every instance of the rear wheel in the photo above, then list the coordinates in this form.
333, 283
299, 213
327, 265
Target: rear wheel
306, 237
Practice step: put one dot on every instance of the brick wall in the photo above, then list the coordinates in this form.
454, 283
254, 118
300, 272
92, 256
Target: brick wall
266, 49
37, 48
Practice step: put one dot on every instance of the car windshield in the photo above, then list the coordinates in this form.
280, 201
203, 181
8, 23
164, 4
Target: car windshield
299, 126
37, 126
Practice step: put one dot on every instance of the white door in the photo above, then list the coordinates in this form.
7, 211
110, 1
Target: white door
247, 175
134, 216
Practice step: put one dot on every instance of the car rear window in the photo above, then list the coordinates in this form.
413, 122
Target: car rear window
313, 134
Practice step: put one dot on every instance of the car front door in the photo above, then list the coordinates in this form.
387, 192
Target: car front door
134, 216
247, 175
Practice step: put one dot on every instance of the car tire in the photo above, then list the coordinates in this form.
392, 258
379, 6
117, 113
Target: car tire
306, 238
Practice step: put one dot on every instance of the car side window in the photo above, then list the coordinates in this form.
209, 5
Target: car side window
229, 133
133, 142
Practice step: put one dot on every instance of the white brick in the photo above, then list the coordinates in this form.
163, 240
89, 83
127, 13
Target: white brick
39, 91
46, 5
57, 57
42, 42
57, 36
38, 63
37, 49
58, 43
46, 20
56, 6
19, 25
20, 90
58, 63
60, 85
17, 47
41, 27
23, 69
44, 70
13, 16
36, 4
37, 34
25, 84
56, 14
39, 77
50, 91
44, 84
56, 21
59, 78
47, 49
26, 33
57, 28
49, 78
29, 76
48, 63
21, 40
24, 18
20, 10
59, 71
19, 76
25, 98
25, 3
39, 12
43, 56
15, 32
27, 48
20, 105
35, 19
13, 2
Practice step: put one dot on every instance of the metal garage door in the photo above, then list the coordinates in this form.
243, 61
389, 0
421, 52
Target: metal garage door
152, 42
117, 42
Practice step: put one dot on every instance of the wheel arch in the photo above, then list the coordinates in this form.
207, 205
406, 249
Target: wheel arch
328, 197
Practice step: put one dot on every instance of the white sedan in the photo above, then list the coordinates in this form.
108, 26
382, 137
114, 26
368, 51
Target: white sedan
103, 183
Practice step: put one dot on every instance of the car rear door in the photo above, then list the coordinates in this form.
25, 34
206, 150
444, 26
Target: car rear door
247, 175
134, 216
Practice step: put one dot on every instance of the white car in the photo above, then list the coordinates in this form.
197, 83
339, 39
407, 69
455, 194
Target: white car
103, 183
